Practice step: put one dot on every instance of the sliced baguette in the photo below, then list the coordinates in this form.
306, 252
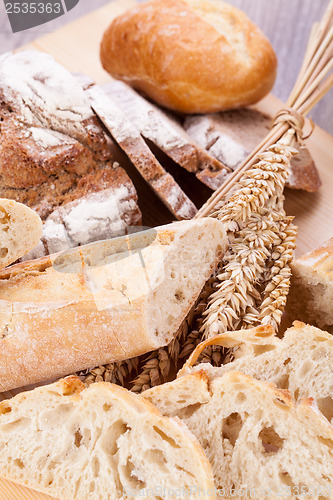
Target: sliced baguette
103, 302
20, 231
99, 443
311, 289
301, 362
253, 435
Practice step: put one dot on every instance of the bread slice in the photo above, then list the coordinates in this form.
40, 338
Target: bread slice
301, 362
254, 436
161, 129
101, 442
232, 135
129, 139
20, 231
311, 290
103, 302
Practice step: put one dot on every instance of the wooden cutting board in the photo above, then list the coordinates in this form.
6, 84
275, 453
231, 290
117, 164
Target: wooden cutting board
76, 46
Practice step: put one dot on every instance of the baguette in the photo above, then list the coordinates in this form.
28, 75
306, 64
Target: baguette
192, 56
20, 231
99, 443
254, 436
311, 289
301, 362
104, 302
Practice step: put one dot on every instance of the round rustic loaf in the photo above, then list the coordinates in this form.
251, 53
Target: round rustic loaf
193, 56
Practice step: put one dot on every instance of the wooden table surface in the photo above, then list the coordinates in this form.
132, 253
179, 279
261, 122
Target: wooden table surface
287, 24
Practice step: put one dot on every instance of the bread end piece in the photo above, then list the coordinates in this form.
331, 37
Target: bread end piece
20, 231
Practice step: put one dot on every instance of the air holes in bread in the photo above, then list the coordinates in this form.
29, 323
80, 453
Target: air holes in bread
156, 457
5, 408
282, 404
286, 479
111, 436
306, 368
231, 427
95, 466
261, 349
106, 407
179, 296
4, 216
240, 398
188, 411
325, 405
78, 438
287, 361
129, 477
171, 441
271, 441
18, 462
283, 381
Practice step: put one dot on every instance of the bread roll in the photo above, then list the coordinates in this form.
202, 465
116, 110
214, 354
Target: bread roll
20, 231
193, 56
98, 443
256, 439
104, 302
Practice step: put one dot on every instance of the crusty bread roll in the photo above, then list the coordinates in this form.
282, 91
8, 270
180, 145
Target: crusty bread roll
256, 439
103, 302
301, 362
193, 56
20, 231
98, 443
311, 289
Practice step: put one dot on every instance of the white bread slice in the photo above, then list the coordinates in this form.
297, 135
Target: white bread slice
254, 436
301, 362
97, 443
20, 231
103, 302
311, 290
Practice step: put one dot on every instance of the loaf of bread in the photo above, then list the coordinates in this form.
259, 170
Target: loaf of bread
301, 362
53, 149
99, 443
192, 56
20, 231
104, 302
311, 289
256, 439
232, 135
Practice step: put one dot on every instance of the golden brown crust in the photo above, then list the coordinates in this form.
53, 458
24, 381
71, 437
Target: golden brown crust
191, 56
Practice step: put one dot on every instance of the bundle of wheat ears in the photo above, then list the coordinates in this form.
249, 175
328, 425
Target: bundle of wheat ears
251, 285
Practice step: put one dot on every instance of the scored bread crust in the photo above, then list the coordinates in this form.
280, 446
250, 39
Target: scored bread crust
253, 434
97, 442
191, 56
20, 231
87, 307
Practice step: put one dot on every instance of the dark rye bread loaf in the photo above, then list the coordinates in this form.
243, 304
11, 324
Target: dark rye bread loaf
53, 148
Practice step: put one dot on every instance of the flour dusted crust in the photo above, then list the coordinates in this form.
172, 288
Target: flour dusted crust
99, 442
103, 302
20, 230
192, 56
311, 290
129, 139
253, 434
